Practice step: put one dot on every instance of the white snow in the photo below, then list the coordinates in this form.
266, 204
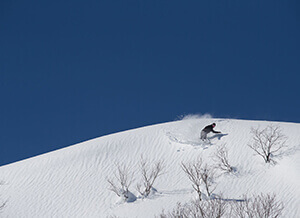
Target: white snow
72, 182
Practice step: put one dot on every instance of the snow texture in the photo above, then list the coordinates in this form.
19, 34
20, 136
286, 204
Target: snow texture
72, 182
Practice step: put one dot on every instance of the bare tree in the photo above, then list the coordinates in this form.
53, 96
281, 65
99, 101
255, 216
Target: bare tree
268, 141
258, 206
149, 175
261, 206
208, 176
221, 157
267, 206
193, 171
198, 175
121, 181
214, 208
179, 211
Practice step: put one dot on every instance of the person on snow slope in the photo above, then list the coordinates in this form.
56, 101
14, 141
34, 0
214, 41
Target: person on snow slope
208, 129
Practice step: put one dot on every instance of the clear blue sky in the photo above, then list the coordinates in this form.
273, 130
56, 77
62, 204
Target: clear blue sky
75, 70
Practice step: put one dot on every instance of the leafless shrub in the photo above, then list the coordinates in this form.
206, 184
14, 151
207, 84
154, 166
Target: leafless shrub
179, 211
214, 208
208, 176
149, 175
267, 206
268, 141
198, 175
221, 158
259, 206
208, 209
193, 171
121, 181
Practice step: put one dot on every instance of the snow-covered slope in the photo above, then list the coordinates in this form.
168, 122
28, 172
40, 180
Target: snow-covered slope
72, 182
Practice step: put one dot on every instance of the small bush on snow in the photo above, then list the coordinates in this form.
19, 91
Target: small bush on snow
221, 158
214, 208
265, 206
121, 182
200, 175
149, 176
123, 178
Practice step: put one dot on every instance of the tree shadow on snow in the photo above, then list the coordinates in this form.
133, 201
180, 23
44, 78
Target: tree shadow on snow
214, 196
287, 151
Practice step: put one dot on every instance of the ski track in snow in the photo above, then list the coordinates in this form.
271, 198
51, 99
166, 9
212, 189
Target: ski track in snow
72, 182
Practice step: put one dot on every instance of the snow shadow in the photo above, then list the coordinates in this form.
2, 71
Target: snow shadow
218, 136
233, 200
128, 197
287, 151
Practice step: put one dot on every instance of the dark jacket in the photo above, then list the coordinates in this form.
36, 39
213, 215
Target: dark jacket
209, 129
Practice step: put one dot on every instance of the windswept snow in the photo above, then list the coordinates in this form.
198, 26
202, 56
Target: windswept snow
72, 182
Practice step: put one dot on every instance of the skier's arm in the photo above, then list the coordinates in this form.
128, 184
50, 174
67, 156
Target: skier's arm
215, 131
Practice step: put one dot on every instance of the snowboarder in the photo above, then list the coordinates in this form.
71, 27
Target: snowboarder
208, 129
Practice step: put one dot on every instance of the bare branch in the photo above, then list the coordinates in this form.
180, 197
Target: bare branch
198, 175
215, 208
265, 206
267, 142
149, 175
221, 157
121, 181
208, 176
193, 171
259, 206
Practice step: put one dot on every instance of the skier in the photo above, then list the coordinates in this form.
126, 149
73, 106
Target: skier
208, 129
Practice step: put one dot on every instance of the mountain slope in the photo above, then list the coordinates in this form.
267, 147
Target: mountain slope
72, 182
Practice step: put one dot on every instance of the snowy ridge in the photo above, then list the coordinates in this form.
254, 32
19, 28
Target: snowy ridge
72, 182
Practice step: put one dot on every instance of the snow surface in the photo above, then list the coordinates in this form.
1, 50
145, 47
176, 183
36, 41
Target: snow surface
72, 182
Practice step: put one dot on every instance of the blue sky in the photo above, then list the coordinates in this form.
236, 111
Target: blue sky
75, 70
